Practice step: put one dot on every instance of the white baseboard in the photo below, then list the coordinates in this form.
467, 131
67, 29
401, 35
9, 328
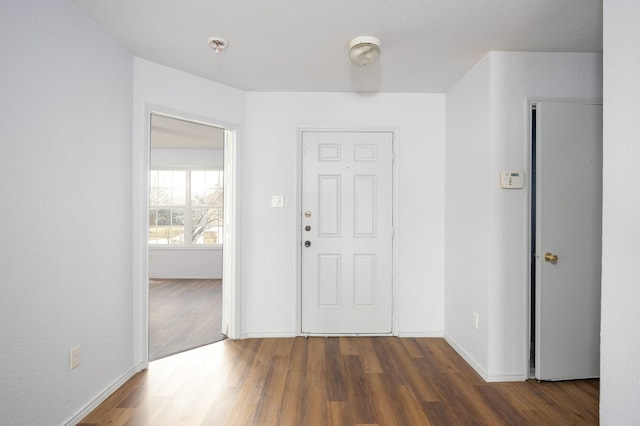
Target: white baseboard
267, 335
421, 334
103, 396
289, 334
468, 358
507, 376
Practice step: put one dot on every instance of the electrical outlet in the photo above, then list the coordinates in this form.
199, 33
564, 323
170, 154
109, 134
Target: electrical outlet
74, 357
475, 319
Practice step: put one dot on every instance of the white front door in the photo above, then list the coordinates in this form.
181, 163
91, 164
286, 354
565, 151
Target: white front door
569, 226
347, 231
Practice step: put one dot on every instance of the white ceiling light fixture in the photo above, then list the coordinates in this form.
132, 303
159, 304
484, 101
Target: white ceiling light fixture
364, 50
218, 43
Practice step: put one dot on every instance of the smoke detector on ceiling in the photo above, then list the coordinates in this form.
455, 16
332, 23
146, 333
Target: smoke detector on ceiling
218, 43
364, 50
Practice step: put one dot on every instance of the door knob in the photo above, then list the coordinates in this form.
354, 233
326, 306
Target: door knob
550, 257
307, 243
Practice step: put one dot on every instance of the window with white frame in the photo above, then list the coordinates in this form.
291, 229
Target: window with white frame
185, 207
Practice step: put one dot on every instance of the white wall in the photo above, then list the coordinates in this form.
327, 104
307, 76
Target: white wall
270, 166
467, 213
193, 262
190, 263
167, 90
65, 185
513, 77
620, 332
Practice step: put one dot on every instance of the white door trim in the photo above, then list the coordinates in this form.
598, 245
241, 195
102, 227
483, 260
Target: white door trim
140, 226
298, 224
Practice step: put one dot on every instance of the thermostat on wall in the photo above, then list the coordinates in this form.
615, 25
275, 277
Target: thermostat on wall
511, 179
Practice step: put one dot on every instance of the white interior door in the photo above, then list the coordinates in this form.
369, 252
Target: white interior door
347, 229
569, 226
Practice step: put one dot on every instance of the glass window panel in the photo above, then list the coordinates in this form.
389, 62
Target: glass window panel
153, 178
180, 179
219, 216
152, 227
197, 197
170, 204
154, 197
219, 179
199, 222
164, 217
165, 178
207, 198
177, 217
219, 198
177, 235
178, 197
152, 217
198, 179
163, 197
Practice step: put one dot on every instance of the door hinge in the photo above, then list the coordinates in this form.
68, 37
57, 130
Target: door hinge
393, 159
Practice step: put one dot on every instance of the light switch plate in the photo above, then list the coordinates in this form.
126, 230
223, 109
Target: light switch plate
277, 201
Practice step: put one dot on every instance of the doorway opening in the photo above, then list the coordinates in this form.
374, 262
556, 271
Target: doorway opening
186, 206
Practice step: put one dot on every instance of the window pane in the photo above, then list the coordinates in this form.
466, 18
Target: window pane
154, 197
215, 197
164, 217
153, 178
152, 226
214, 178
197, 197
165, 178
197, 180
169, 207
207, 226
168, 188
178, 198
179, 179
152, 217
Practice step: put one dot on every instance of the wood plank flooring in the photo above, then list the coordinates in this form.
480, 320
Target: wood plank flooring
183, 314
337, 381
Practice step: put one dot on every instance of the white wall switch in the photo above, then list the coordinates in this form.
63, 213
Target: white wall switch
277, 201
74, 357
475, 320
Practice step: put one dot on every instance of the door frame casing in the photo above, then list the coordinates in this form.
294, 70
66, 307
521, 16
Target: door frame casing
140, 228
529, 102
394, 214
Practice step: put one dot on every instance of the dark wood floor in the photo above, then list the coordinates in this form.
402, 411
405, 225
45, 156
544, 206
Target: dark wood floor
337, 381
183, 314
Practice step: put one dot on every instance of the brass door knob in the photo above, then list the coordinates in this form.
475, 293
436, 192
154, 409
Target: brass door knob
550, 257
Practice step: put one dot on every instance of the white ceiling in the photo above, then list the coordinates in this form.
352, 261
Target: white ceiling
301, 45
